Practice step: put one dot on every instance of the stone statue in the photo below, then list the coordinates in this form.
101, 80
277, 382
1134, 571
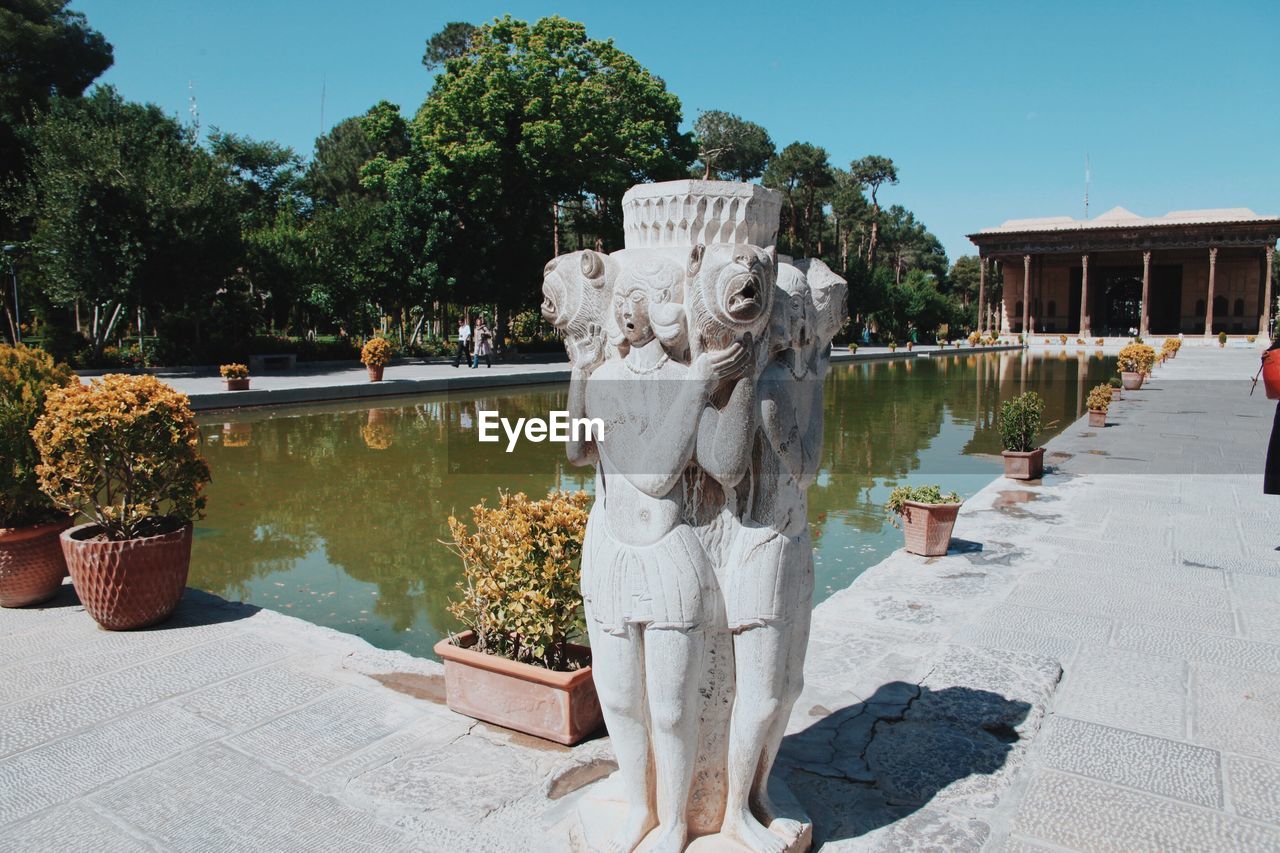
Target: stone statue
704, 356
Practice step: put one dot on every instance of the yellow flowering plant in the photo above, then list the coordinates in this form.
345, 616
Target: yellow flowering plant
122, 451
26, 376
234, 371
1100, 398
521, 571
376, 352
1136, 358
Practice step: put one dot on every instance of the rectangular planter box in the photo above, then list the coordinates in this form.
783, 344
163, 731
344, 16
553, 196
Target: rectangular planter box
558, 706
1024, 466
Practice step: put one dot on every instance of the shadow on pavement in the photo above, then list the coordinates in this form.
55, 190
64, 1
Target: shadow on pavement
874, 763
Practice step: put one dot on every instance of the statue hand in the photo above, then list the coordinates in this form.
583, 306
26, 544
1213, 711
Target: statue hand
732, 361
586, 353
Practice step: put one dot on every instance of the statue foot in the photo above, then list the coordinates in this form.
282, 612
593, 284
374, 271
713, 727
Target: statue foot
639, 822
752, 834
671, 839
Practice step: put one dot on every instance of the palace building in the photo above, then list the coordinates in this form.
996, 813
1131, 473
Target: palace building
1197, 272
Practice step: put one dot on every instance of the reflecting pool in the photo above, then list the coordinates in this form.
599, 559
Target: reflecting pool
334, 512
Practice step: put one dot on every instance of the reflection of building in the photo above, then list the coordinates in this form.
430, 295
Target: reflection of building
1192, 271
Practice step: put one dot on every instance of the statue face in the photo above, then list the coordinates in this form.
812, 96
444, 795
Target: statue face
740, 287
575, 290
732, 291
631, 311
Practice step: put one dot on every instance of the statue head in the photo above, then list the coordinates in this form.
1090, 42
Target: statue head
730, 293
648, 296
830, 296
793, 315
576, 289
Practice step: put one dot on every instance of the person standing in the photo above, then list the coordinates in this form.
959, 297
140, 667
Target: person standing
1271, 474
483, 343
464, 337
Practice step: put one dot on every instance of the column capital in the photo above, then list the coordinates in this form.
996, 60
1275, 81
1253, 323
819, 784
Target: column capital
1146, 256
1213, 255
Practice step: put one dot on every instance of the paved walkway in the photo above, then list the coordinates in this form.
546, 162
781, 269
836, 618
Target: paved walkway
343, 381
1095, 665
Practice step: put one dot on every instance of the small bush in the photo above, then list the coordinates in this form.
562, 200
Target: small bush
974, 337
1251, 338
377, 352
1099, 342
234, 371
521, 570
1100, 398
1115, 382
1222, 338
122, 451
1020, 422
918, 494
1136, 358
26, 377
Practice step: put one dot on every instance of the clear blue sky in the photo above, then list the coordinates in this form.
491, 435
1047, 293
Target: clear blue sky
988, 109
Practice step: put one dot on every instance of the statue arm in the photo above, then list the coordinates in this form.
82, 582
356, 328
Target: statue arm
655, 466
780, 422
725, 435
581, 451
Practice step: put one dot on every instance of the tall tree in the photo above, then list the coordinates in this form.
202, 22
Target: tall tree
128, 214
450, 43
873, 171
333, 176
45, 51
850, 210
532, 116
731, 147
801, 173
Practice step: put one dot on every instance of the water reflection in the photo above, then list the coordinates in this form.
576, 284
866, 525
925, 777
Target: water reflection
334, 512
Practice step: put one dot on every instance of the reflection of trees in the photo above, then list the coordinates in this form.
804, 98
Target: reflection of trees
311, 481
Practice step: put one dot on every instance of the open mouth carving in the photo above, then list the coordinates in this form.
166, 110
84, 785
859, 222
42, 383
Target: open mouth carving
743, 302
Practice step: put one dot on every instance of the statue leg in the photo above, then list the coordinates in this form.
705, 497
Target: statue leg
797, 646
675, 663
618, 666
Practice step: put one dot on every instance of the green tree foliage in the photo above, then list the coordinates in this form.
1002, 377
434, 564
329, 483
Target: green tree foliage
450, 43
46, 51
127, 214
531, 116
730, 147
802, 173
873, 171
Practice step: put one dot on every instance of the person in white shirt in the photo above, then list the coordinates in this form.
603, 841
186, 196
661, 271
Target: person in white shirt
464, 336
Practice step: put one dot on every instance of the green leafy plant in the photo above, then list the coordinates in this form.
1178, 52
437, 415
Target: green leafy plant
1100, 398
1020, 422
1115, 382
1222, 338
899, 497
521, 570
377, 352
234, 371
122, 451
26, 377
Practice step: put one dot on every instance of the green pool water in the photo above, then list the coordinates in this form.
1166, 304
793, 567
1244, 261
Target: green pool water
334, 513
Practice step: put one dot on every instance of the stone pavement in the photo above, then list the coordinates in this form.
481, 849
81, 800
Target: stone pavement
1095, 665
321, 381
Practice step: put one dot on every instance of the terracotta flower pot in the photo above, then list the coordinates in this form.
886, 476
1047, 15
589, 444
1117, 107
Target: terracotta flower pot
237, 384
129, 584
927, 527
1271, 374
1024, 466
1131, 380
1115, 394
375, 371
31, 563
1097, 417
558, 706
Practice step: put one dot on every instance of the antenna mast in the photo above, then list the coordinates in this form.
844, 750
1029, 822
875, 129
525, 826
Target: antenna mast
1087, 176
194, 110
322, 87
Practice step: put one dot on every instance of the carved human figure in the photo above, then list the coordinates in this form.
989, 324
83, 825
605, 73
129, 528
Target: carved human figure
648, 587
768, 576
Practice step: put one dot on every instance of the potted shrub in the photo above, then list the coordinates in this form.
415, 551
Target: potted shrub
1114, 384
1222, 339
236, 376
1169, 348
1099, 402
1080, 342
893, 346
926, 517
376, 355
517, 664
1099, 342
1134, 362
1249, 339
122, 452
31, 563
1062, 339
974, 338
910, 345
1019, 426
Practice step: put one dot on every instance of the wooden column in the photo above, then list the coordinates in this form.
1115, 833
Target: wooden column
1264, 321
1084, 296
1144, 322
1208, 303
1026, 294
982, 292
